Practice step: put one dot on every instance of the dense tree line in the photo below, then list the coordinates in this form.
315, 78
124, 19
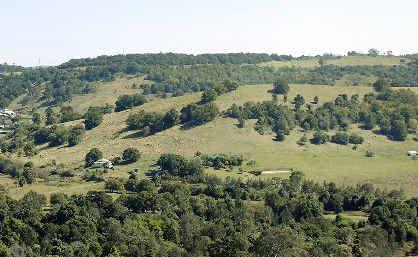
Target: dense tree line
175, 59
4, 68
178, 73
181, 211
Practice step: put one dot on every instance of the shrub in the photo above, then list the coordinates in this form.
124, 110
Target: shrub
356, 139
319, 138
340, 138
280, 136
302, 140
370, 154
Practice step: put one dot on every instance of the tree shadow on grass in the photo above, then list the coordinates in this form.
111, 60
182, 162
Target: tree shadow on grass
378, 132
152, 173
137, 134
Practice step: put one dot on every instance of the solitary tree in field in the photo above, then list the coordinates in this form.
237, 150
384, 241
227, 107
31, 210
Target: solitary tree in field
281, 87
93, 155
399, 130
209, 95
381, 85
93, 119
299, 101
373, 52
131, 155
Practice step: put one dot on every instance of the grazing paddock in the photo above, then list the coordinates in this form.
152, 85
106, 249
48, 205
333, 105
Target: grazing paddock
389, 169
360, 60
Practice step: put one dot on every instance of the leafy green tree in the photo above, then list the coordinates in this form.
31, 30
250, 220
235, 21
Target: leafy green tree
113, 185
209, 95
373, 52
381, 85
52, 117
92, 119
58, 135
340, 138
92, 156
29, 149
4, 250
28, 172
369, 122
131, 155
171, 118
75, 135
299, 101
36, 119
319, 137
399, 130
279, 242
281, 87
356, 139
241, 122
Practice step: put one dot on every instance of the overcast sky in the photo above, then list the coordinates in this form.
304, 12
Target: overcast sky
55, 31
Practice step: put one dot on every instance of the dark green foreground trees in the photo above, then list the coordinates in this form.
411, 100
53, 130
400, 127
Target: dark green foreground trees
181, 211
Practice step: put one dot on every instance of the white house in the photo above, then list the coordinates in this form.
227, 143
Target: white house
412, 153
103, 163
7, 113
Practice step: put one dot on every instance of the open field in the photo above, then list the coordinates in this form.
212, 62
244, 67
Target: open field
390, 169
355, 216
48, 187
343, 61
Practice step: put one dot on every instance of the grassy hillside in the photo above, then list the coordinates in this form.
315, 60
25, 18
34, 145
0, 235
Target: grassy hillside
390, 169
343, 61
106, 92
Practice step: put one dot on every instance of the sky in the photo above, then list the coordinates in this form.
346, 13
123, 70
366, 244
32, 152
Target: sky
51, 32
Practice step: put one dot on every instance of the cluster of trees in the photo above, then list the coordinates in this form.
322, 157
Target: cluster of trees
93, 118
195, 115
394, 112
221, 161
341, 138
129, 155
24, 139
152, 122
190, 115
181, 211
128, 101
210, 95
174, 59
54, 115
24, 173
